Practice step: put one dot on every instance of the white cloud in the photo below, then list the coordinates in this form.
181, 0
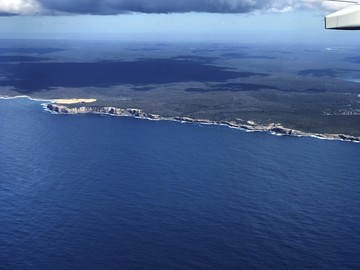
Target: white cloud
308, 4
23, 7
331, 6
102, 7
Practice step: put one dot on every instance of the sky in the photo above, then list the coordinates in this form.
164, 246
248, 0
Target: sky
172, 20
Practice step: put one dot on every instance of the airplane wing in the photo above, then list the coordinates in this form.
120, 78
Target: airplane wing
344, 19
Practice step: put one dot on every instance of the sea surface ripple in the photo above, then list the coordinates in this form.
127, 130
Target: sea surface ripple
101, 192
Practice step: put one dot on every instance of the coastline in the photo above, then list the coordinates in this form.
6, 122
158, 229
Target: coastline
58, 106
248, 126
62, 101
26, 97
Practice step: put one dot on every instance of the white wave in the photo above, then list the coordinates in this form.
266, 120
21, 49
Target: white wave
26, 97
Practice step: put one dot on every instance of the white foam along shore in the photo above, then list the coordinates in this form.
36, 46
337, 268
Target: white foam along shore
67, 101
25, 97
249, 126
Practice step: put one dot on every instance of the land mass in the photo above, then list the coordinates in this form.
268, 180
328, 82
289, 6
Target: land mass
310, 90
274, 128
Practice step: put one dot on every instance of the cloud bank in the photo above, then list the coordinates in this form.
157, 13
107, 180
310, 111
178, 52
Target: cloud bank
111, 7
23, 7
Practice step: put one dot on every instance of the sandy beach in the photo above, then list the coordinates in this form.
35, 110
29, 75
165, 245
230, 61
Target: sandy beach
74, 101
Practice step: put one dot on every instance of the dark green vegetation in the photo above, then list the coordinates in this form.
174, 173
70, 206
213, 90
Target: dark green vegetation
312, 88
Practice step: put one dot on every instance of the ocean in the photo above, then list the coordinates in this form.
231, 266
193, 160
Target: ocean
102, 192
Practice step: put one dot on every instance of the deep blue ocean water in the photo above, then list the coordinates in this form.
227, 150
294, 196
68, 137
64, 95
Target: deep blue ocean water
101, 192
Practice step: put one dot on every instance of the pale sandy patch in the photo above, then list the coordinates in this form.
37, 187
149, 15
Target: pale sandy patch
74, 101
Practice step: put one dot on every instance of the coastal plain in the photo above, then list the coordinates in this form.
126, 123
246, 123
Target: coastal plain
307, 88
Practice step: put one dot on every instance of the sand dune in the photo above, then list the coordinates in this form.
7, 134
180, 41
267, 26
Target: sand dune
74, 101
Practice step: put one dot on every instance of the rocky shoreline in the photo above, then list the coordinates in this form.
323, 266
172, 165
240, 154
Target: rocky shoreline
273, 128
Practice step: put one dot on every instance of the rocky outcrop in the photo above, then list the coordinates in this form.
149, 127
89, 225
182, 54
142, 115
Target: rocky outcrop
273, 128
349, 138
61, 109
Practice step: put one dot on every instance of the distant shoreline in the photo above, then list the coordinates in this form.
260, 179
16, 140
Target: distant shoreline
249, 126
62, 101
57, 106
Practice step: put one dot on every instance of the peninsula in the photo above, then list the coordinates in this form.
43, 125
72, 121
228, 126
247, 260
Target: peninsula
308, 90
274, 128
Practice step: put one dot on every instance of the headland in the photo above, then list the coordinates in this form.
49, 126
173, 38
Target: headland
251, 126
